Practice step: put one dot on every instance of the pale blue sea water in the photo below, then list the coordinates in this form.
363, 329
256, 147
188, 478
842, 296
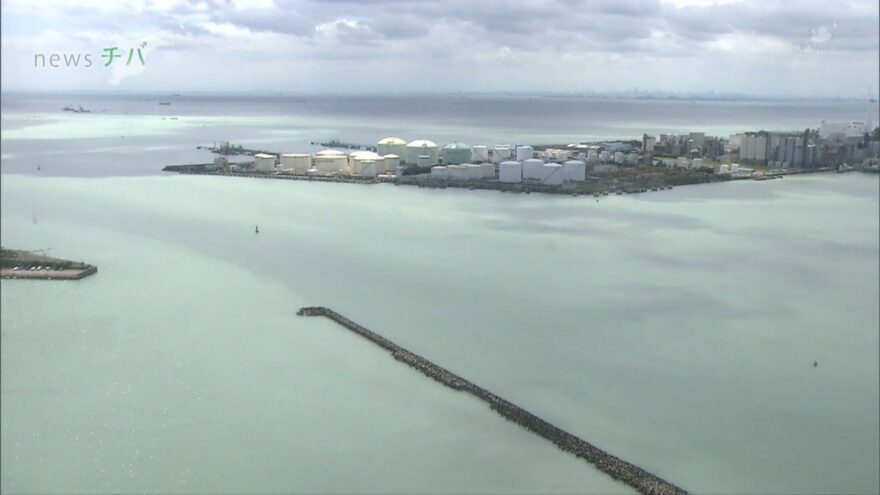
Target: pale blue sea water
675, 329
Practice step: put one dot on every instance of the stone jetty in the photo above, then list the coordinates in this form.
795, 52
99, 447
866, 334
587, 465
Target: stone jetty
634, 476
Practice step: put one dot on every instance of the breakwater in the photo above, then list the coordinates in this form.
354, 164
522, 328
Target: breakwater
634, 476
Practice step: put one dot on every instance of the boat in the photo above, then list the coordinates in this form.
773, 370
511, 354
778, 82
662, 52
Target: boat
164, 102
79, 109
257, 229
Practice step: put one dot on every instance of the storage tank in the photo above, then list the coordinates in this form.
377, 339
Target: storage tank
510, 172
455, 153
724, 169
392, 161
524, 153
330, 162
264, 162
473, 171
531, 169
366, 167
221, 162
425, 161
456, 172
618, 157
357, 156
501, 153
697, 163
421, 147
575, 171
391, 146
487, 170
439, 172
297, 162
554, 174
479, 153
681, 162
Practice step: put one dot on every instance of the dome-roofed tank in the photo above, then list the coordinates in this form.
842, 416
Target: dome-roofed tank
391, 146
455, 153
422, 147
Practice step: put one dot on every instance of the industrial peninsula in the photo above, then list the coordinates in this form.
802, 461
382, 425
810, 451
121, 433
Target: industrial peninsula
37, 265
597, 168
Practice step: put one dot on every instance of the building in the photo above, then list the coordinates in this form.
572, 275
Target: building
648, 143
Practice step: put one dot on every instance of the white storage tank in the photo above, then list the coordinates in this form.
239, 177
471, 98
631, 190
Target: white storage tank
524, 153
487, 170
421, 147
221, 162
553, 174
479, 153
604, 156
455, 153
618, 157
510, 172
681, 162
456, 172
391, 146
501, 153
366, 167
697, 163
531, 169
330, 162
439, 172
296, 162
473, 171
264, 162
575, 170
724, 169
392, 161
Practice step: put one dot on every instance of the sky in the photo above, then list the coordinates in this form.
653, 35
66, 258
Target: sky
808, 48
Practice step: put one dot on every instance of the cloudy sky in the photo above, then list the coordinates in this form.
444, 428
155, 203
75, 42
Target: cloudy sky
766, 47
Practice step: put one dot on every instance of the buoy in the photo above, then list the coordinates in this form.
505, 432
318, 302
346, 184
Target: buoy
815, 364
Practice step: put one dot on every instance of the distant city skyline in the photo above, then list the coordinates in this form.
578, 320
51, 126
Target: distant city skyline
682, 47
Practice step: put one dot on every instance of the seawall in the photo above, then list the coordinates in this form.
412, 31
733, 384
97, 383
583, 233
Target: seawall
634, 476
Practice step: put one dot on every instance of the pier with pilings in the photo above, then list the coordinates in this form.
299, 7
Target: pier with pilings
630, 474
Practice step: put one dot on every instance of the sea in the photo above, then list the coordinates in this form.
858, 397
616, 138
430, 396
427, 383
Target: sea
676, 329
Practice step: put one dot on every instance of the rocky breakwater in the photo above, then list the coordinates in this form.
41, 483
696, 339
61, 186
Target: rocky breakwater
634, 476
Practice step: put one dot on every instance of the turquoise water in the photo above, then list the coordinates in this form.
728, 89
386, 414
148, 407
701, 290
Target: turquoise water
675, 329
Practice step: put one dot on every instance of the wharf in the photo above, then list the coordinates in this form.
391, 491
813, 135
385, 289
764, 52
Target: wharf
27, 265
634, 476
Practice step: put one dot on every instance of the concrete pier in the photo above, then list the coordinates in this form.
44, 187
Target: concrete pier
634, 476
